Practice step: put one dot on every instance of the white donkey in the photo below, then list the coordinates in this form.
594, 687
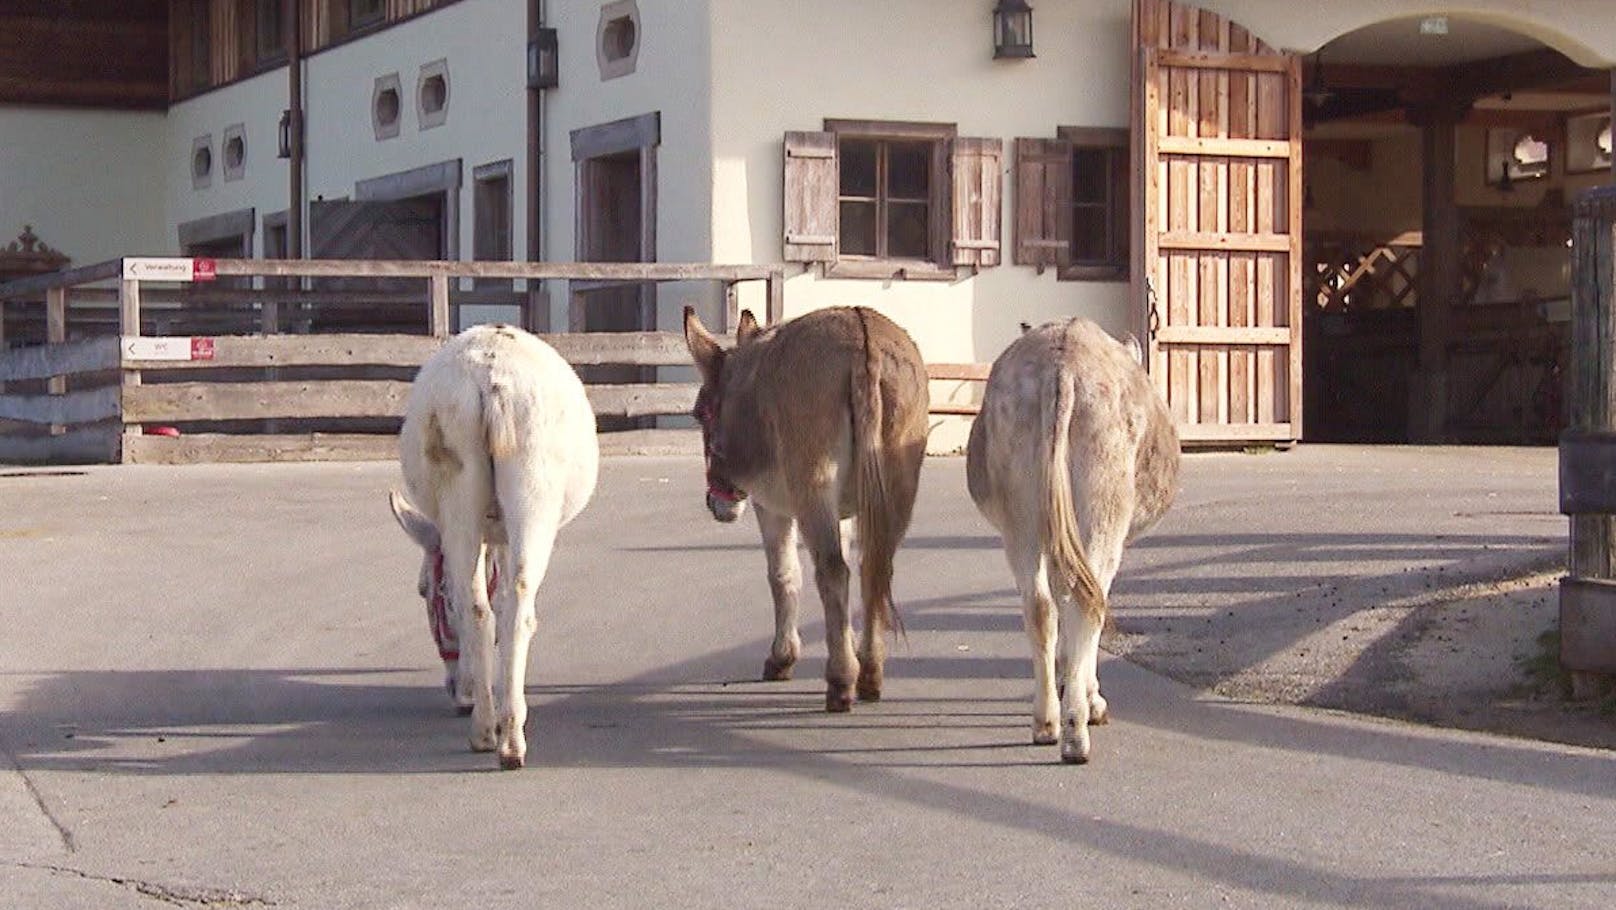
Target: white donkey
499, 451
1073, 455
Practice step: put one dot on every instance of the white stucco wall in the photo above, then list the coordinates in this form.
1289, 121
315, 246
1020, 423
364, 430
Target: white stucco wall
924, 60
920, 60
88, 181
484, 45
672, 77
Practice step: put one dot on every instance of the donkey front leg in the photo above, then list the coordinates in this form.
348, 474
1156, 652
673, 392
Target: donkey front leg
821, 528
785, 583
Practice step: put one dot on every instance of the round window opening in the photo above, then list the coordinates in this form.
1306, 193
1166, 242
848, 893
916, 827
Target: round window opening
201, 162
434, 94
235, 152
387, 107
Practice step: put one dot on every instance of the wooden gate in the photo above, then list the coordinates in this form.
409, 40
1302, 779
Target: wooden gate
1218, 145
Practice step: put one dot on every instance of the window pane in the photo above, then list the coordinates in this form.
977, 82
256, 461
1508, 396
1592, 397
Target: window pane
1089, 242
907, 235
858, 228
908, 170
858, 168
1089, 175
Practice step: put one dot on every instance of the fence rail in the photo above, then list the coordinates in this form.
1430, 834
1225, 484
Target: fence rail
103, 387
99, 389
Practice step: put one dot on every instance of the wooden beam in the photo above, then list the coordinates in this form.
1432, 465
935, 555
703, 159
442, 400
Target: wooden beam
1226, 148
1213, 242
1440, 277
438, 319
42, 361
87, 406
56, 333
1219, 335
967, 372
34, 286
179, 402
642, 399
212, 448
79, 445
304, 350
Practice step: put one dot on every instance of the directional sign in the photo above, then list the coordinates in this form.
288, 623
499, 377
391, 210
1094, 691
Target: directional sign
172, 348
154, 268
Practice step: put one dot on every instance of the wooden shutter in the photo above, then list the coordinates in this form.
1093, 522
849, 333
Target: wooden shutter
811, 186
977, 202
1220, 166
1043, 202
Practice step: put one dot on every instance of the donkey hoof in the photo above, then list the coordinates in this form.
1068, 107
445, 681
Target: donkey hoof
777, 669
1099, 711
511, 762
869, 687
1043, 734
1074, 744
839, 699
462, 710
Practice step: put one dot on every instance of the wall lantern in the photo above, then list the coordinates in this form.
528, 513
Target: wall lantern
1012, 30
543, 67
283, 136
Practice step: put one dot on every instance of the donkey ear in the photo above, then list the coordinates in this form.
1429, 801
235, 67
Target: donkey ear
703, 346
1131, 342
414, 522
747, 329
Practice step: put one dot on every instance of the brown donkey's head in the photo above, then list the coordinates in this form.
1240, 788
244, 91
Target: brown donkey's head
726, 501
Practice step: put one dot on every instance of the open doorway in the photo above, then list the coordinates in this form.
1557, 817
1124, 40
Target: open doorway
1442, 156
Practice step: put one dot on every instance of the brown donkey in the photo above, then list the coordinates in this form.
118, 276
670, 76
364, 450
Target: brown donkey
817, 419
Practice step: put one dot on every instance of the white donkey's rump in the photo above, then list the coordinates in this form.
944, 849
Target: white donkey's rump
1072, 455
499, 451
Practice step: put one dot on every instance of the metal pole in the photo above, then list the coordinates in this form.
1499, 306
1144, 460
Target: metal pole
292, 13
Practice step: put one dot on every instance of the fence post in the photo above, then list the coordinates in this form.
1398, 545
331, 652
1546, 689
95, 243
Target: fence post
1588, 452
56, 333
776, 309
128, 326
438, 320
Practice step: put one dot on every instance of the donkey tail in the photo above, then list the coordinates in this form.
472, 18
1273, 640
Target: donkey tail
877, 536
499, 421
1062, 542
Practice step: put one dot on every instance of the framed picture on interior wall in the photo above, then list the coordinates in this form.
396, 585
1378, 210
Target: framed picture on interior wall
1588, 142
1515, 154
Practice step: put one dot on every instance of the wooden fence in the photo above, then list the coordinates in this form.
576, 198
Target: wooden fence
97, 392
1588, 453
103, 388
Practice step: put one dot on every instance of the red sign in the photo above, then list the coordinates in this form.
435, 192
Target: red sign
203, 270
202, 348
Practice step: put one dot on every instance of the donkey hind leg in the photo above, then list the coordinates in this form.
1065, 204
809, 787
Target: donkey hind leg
529, 559
460, 521
1038, 613
821, 529
785, 584
1082, 704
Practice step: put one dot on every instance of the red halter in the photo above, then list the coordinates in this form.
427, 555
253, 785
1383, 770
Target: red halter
437, 607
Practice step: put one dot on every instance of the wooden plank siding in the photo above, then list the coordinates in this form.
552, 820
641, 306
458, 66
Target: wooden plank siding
1219, 142
96, 53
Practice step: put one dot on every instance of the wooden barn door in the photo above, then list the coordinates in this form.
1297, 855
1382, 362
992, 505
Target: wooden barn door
1218, 144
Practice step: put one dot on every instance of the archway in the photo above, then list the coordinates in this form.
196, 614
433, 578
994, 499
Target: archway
1442, 152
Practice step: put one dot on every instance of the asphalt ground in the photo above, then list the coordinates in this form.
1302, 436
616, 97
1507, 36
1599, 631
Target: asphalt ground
219, 690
